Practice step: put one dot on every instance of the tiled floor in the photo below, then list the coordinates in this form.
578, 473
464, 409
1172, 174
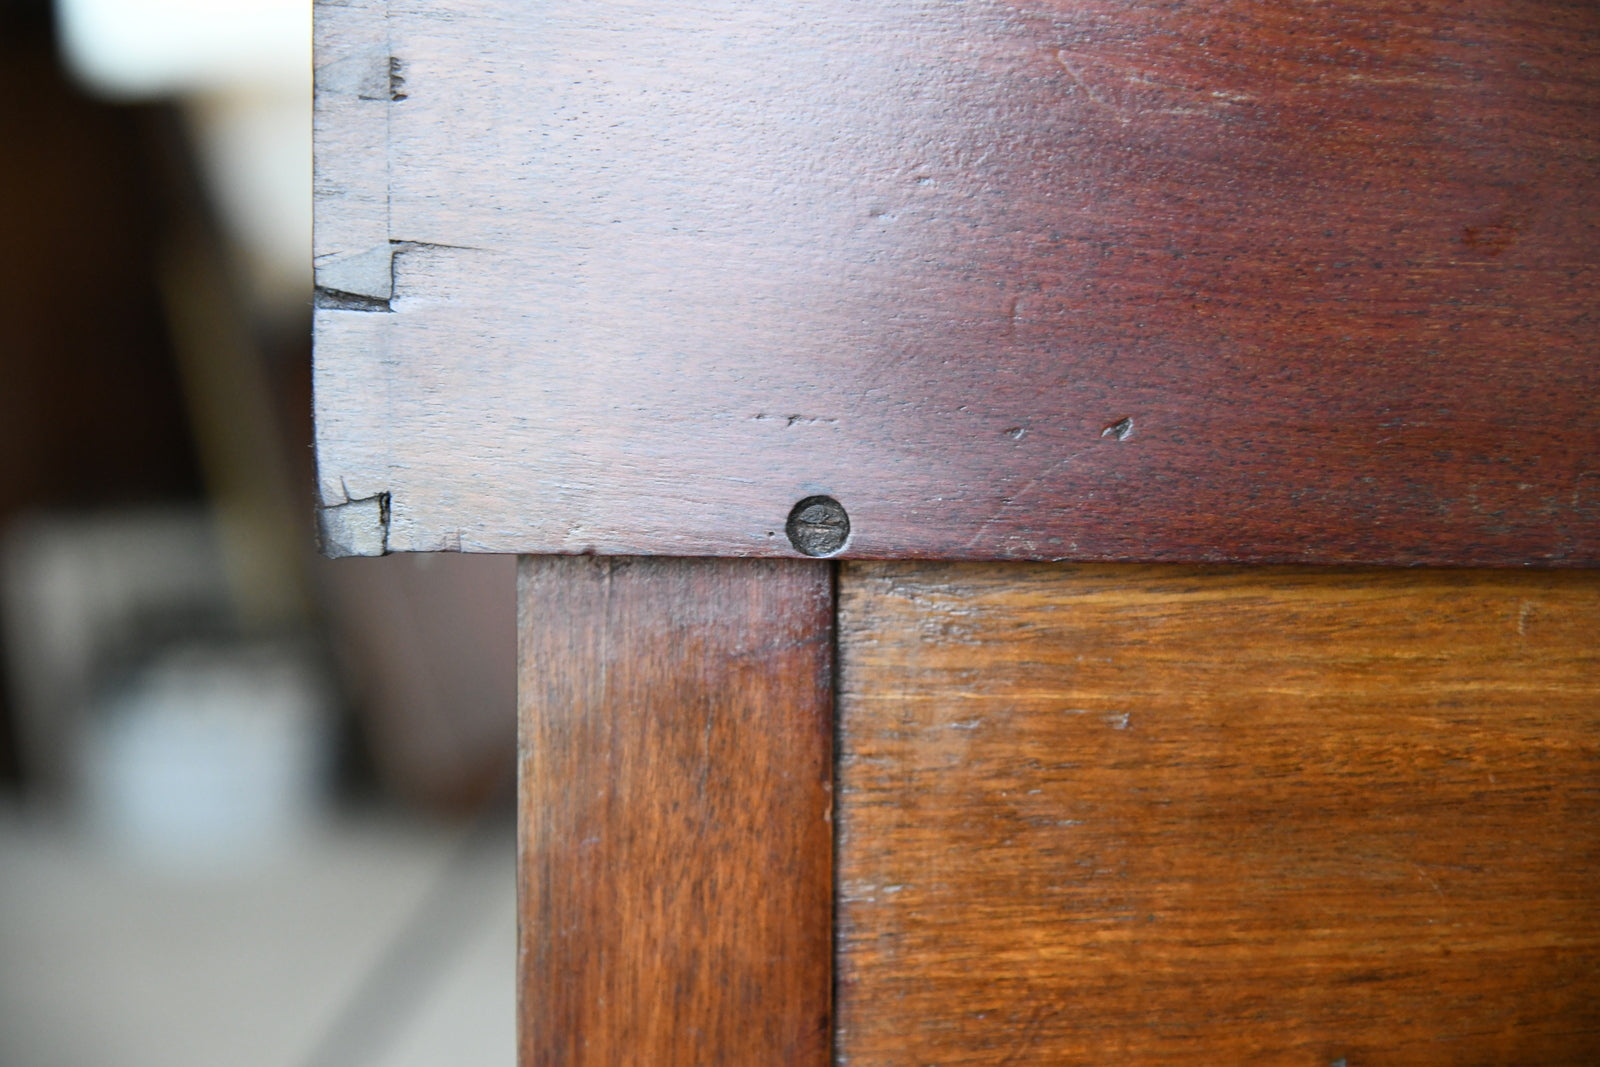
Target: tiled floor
372, 943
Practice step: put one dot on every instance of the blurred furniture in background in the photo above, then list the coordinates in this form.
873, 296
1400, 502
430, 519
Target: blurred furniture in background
156, 358
430, 643
238, 825
92, 411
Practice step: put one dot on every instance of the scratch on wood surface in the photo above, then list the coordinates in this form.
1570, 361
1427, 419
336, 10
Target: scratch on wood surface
402, 245
1426, 877
1130, 94
1028, 1035
1082, 83
1010, 504
790, 421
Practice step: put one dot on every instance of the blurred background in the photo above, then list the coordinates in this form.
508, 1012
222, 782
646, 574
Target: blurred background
254, 804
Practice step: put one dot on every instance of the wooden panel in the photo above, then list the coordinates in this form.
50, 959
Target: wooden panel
1264, 280
1102, 815
677, 853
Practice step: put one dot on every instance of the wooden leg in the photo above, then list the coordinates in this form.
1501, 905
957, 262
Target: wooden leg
676, 868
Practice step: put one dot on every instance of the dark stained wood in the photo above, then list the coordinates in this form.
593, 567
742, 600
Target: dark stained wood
676, 775
1251, 280
1162, 815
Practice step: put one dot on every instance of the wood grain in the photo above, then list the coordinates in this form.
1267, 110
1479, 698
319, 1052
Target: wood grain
676, 775
1163, 815
1242, 280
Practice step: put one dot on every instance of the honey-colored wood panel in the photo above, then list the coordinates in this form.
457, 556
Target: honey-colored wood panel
676, 848
1165, 815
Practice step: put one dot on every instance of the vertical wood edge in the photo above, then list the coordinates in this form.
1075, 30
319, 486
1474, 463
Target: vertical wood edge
352, 257
675, 847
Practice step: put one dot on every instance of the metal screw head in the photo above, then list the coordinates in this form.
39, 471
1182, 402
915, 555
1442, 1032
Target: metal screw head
818, 526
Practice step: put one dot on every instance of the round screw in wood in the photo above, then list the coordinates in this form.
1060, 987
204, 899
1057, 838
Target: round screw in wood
818, 526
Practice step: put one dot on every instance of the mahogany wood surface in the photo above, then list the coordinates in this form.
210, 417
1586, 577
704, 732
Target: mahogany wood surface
1233, 280
676, 773
1166, 815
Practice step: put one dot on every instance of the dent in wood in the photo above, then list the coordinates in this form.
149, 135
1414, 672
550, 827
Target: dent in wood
356, 527
367, 74
368, 275
1122, 429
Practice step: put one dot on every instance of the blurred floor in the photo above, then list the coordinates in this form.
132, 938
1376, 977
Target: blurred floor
375, 942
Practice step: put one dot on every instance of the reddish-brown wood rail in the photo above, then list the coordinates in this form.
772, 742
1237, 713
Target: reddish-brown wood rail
1254, 280
676, 843
1164, 815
